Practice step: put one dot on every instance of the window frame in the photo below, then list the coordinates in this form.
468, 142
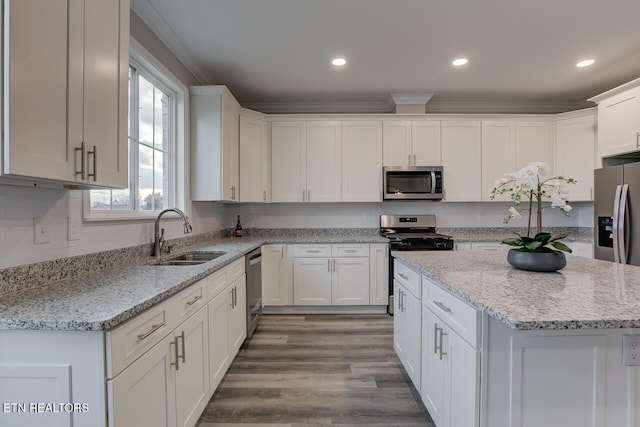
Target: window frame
157, 73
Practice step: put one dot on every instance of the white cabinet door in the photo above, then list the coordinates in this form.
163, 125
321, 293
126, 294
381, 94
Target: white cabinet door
575, 154
396, 143
534, 143
434, 371
143, 395
362, 161
230, 151
412, 363
219, 353
254, 160
192, 373
581, 249
498, 154
350, 281
399, 321
277, 275
237, 314
35, 98
618, 123
312, 281
425, 143
461, 154
106, 83
288, 161
324, 164
463, 397
379, 274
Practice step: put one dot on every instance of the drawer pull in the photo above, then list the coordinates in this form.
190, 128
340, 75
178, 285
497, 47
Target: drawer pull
403, 276
312, 251
442, 306
154, 328
194, 300
350, 251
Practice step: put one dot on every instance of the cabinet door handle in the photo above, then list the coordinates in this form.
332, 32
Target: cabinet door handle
282, 252
409, 159
435, 338
235, 296
264, 195
403, 276
401, 300
94, 155
442, 306
231, 292
308, 195
329, 265
637, 139
442, 335
414, 159
82, 153
303, 195
194, 300
181, 336
334, 265
175, 354
154, 328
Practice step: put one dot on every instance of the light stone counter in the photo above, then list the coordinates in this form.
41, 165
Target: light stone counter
585, 294
103, 299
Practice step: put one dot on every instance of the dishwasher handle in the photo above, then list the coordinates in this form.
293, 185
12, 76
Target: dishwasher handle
255, 260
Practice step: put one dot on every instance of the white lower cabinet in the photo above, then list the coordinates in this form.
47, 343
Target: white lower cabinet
277, 275
331, 274
168, 385
450, 374
379, 274
406, 331
227, 329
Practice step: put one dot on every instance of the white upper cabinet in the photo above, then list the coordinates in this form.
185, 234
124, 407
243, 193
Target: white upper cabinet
254, 160
362, 161
411, 143
65, 100
461, 151
619, 120
575, 154
534, 143
498, 154
324, 164
288, 161
306, 163
214, 144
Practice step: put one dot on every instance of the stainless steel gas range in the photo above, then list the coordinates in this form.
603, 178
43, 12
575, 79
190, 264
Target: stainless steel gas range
411, 233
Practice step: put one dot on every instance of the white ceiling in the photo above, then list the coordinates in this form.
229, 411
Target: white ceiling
274, 55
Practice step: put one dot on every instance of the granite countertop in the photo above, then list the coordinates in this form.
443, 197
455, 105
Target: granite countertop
585, 294
104, 299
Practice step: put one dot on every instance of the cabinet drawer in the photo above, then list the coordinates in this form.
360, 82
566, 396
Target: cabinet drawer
311, 251
488, 246
407, 277
133, 338
345, 250
215, 283
189, 300
457, 314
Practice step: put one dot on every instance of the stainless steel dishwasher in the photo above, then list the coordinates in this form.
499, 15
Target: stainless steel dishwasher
253, 264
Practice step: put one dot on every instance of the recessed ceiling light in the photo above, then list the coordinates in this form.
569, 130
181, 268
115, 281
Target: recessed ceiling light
460, 62
585, 63
339, 62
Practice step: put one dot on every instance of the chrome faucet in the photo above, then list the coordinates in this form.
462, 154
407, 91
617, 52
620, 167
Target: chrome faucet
159, 234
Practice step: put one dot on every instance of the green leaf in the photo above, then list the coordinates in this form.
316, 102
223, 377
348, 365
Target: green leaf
561, 246
559, 236
542, 237
513, 242
533, 245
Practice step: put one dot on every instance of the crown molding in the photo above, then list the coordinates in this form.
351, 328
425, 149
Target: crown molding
320, 107
616, 90
480, 107
411, 98
163, 31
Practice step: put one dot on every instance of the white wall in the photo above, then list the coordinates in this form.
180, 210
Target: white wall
18, 207
367, 215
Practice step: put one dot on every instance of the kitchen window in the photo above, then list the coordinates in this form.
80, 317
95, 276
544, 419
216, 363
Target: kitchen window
156, 146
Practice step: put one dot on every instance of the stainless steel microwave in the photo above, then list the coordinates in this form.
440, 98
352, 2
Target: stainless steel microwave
412, 182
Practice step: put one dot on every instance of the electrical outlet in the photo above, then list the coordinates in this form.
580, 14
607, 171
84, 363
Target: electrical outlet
631, 350
73, 229
40, 231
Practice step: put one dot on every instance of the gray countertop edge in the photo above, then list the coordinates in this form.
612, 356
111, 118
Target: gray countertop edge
209, 268
519, 325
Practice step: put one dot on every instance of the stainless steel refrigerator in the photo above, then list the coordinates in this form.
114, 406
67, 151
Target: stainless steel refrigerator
617, 213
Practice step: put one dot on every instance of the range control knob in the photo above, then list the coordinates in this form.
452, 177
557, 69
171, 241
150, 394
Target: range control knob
439, 245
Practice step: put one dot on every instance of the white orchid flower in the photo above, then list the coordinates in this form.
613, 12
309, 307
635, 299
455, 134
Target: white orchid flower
566, 208
513, 213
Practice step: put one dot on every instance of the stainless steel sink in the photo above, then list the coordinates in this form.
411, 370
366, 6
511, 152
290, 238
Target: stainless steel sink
192, 258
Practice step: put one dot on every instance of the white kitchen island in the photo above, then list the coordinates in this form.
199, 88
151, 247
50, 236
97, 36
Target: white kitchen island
501, 347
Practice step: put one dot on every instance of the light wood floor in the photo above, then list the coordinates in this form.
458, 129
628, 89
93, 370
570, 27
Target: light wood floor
317, 370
